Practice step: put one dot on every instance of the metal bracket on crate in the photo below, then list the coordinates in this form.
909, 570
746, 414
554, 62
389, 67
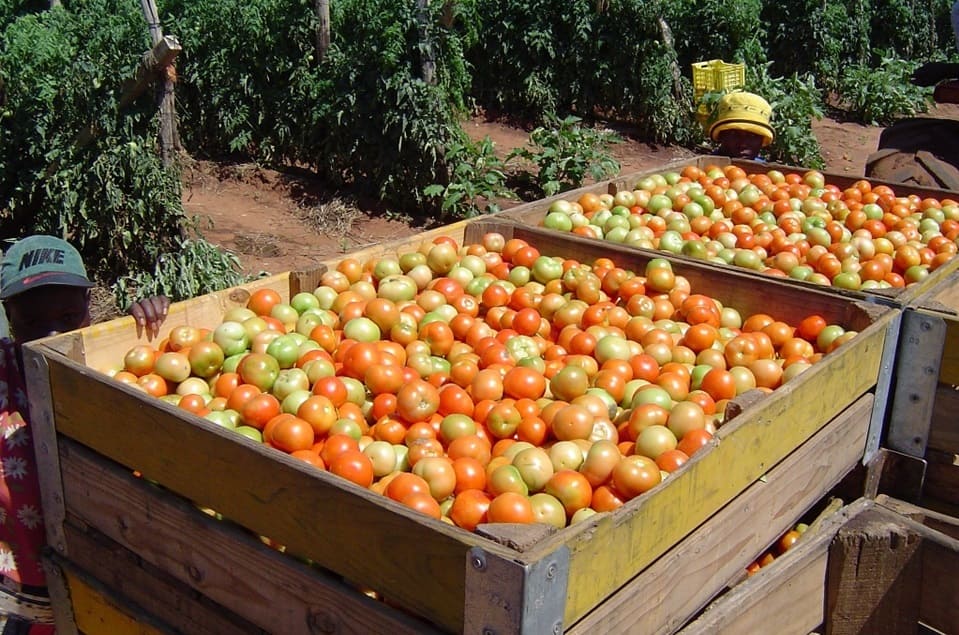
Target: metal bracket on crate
506, 596
884, 387
917, 375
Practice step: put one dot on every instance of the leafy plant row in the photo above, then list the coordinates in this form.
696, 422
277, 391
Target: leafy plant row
379, 110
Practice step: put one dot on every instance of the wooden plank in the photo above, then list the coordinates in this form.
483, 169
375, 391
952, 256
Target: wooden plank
784, 597
943, 523
270, 493
143, 586
874, 576
671, 590
611, 550
43, 429
236, 571
944, 433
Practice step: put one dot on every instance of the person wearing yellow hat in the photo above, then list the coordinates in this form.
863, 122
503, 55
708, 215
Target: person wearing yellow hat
742, 126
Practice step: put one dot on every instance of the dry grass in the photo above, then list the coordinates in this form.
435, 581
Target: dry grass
103, 306
339, 219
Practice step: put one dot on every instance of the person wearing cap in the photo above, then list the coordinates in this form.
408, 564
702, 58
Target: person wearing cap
741, 127
45, 290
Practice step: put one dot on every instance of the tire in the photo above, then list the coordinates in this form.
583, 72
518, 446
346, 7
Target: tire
921, 152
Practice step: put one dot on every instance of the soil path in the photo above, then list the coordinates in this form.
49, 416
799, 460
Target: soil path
278, 222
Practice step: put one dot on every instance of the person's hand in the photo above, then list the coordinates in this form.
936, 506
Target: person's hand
931, 73
150, 314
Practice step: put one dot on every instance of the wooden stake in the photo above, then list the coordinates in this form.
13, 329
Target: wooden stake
428, 67
322, 29
165, 97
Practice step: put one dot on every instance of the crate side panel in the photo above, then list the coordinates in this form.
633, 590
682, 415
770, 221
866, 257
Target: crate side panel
105, 344
672, 589
184, 551
749, 446
939, 600
313, 513
944, 432
949, 369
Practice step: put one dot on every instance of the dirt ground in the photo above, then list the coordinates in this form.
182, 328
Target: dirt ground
279, 222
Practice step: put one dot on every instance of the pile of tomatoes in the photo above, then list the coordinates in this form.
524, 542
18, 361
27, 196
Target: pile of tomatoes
483, 383
788, 225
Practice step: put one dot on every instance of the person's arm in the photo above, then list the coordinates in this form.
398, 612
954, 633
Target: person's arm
150, 314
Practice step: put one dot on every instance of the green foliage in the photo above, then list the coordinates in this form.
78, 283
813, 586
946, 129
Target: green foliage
565, 153
795, 102
192, 267
879, 96
477, 178
364, 116
736, 31
111, 197
904, 29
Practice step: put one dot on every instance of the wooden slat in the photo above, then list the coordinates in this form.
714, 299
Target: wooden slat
943, 523
313, 513
786, 597
695, 570
144, 588
236, 571
96, 611
605, 553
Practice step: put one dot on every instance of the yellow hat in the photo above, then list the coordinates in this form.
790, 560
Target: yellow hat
743, 111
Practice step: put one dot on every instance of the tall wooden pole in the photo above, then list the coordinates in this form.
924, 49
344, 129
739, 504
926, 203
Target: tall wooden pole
322, 29
428, 66
165, 97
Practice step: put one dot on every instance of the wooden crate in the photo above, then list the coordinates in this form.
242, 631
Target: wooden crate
923, 420
91, 432
879, 567
533, 214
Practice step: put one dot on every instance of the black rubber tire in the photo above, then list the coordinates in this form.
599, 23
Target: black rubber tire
923, 152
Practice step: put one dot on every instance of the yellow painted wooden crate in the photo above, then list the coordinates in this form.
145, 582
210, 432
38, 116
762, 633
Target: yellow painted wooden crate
876, 566
142, 538
534, 212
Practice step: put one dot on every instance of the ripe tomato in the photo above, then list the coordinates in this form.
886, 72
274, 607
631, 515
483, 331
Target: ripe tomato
292, 434
510, 507
469, 508
354, 466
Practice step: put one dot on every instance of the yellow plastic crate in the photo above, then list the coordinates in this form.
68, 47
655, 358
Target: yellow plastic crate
716, 75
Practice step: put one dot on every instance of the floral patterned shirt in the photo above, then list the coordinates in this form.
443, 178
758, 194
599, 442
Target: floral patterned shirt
21, 521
